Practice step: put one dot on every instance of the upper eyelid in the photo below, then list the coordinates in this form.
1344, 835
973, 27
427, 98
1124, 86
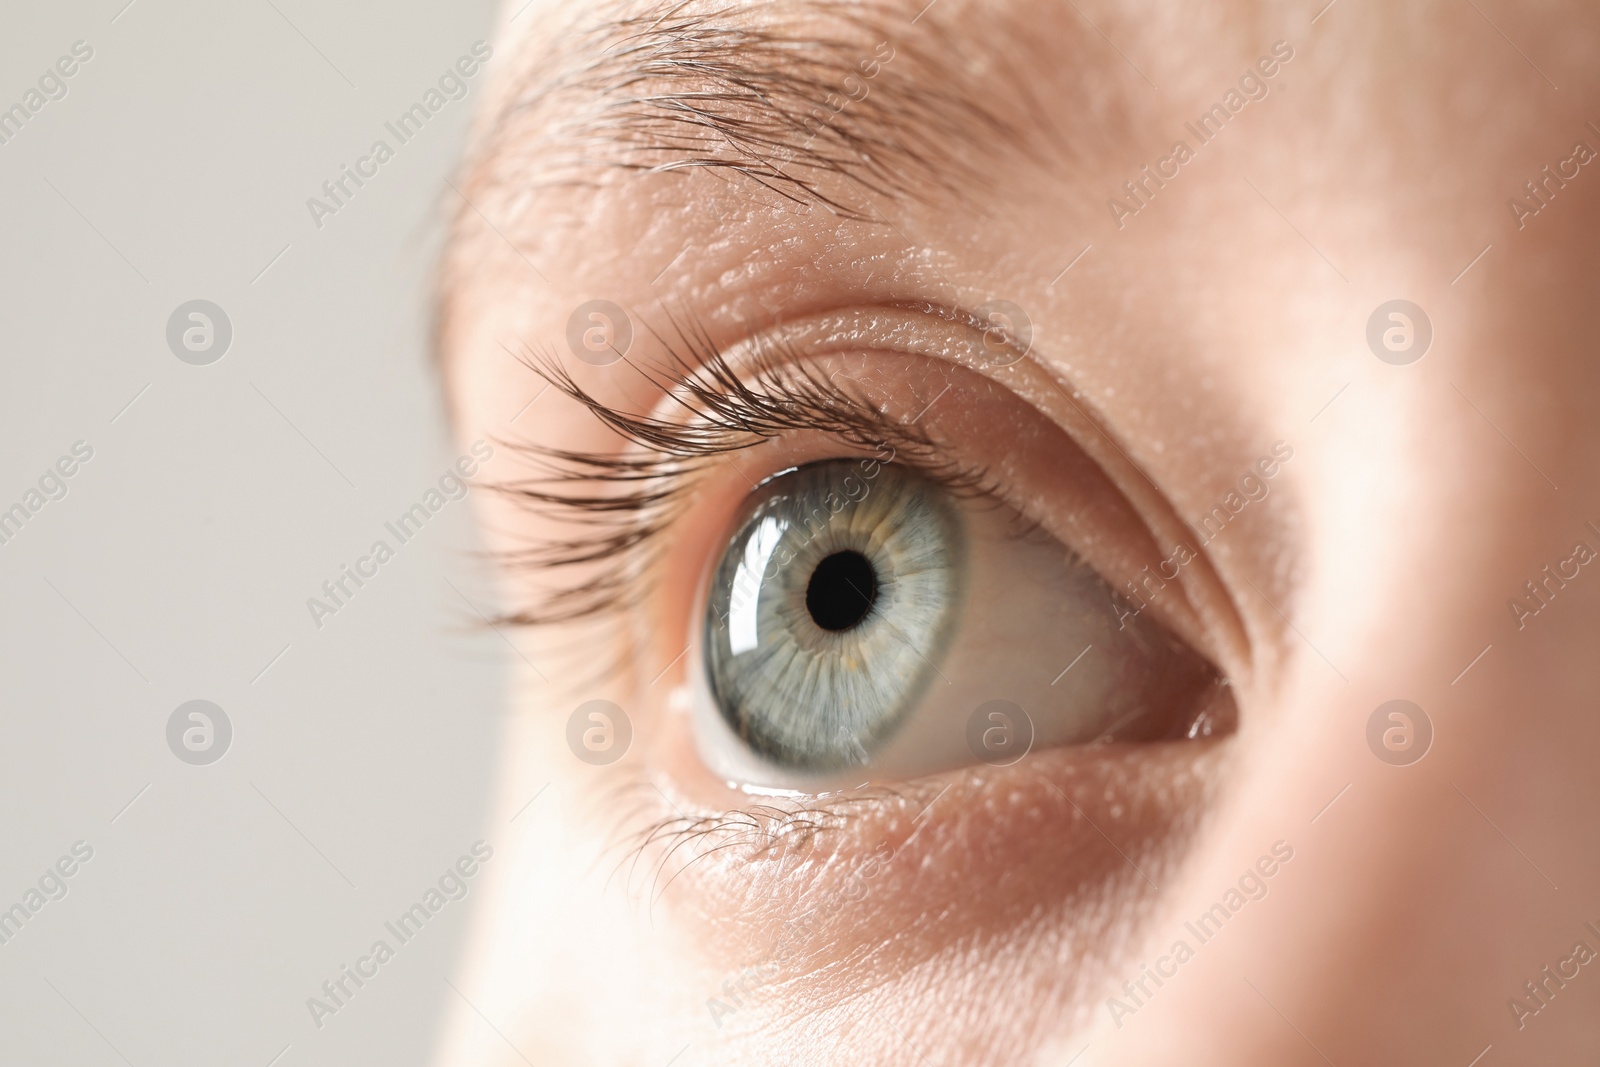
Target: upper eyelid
1035, 378
732, 413
1038, 378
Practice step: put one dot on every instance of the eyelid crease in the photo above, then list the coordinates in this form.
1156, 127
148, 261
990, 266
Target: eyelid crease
1038, 380
740, 391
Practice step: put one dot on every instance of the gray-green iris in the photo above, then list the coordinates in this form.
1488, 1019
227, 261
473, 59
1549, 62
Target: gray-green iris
830, 608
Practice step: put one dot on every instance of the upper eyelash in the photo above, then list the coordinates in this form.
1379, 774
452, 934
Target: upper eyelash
622, 502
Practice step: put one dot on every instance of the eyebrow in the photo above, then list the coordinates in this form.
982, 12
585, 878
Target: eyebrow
804, 98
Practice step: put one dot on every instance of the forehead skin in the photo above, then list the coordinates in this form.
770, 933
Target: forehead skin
658, 156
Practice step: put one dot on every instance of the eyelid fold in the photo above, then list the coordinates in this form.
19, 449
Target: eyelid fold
1205, 614
716, 397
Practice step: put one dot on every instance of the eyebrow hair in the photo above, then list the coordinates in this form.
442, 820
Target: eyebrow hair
792, 96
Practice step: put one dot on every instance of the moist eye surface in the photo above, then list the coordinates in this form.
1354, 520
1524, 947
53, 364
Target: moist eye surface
829, 608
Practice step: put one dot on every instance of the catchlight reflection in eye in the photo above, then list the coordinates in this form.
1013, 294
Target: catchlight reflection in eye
835, 590
862, 610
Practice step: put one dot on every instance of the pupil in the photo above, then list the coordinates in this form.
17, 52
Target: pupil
841, 591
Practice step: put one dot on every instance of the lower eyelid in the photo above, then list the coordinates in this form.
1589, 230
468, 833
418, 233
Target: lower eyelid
1029, 853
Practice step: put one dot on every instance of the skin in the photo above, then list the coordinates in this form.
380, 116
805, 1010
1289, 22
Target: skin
985, 915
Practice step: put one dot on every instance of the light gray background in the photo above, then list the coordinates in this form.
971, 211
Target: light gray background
179, 564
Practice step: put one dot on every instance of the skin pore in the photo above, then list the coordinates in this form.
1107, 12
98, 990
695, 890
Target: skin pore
847, 183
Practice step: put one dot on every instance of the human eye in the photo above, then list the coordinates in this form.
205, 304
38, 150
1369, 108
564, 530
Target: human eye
864, 618
874, 566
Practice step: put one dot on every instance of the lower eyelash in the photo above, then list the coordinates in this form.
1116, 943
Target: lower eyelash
750, 834
781, 837
620, 504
